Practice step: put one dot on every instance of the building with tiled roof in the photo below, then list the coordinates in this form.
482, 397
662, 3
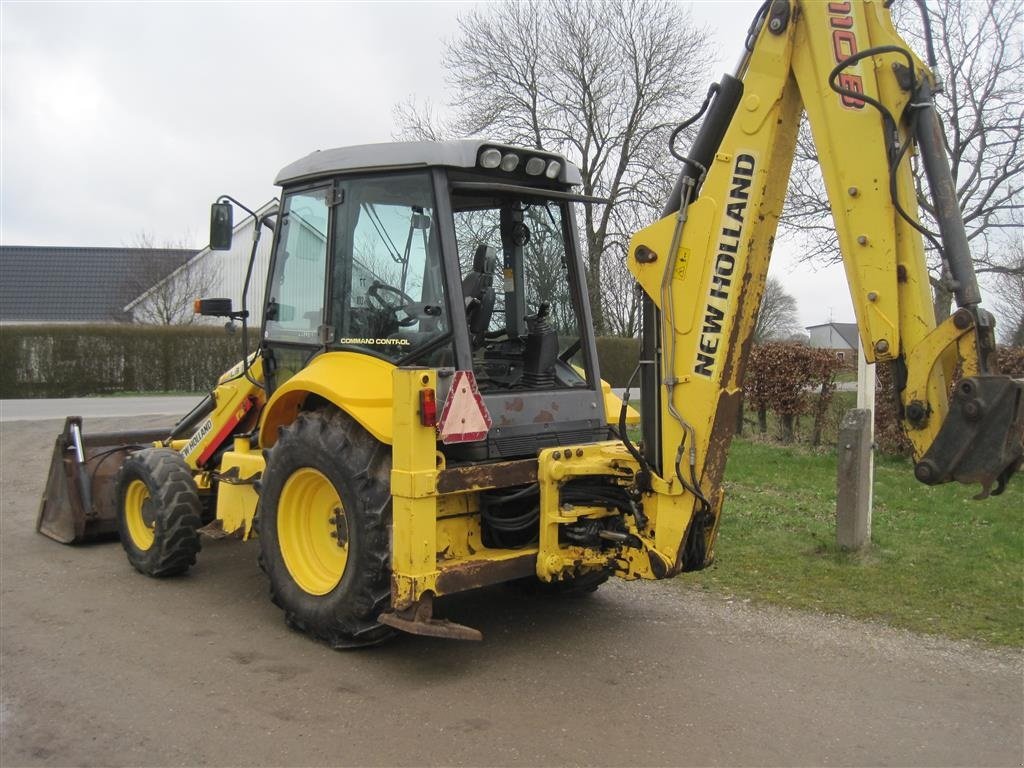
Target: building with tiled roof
44, 284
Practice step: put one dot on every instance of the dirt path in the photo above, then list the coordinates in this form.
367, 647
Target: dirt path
102, 666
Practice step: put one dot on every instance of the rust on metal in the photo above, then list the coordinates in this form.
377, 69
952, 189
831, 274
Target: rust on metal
418, 619
476, 477
480, 573
722, 432
215, 530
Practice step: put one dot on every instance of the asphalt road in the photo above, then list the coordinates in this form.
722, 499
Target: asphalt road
102, 666
97, 407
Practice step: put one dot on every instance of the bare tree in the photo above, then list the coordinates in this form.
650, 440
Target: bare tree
1008, 291
981, 60
601, 82
165, 297
777, 318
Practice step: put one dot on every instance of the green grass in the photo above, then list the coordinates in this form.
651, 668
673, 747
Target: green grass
939, 562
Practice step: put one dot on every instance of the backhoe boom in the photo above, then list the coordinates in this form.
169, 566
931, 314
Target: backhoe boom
868, 99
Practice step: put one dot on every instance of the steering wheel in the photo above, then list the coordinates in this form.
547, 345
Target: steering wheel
373, 292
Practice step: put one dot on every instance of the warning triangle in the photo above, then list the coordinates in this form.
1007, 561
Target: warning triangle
465, 417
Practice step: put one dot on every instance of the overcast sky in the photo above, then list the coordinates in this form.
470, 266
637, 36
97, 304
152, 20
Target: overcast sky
123, 118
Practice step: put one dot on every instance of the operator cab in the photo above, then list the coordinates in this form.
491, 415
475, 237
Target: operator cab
457, 255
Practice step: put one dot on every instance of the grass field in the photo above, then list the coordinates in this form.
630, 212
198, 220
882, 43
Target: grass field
939, 561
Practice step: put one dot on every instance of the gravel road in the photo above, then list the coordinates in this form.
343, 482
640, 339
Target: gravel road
102, 666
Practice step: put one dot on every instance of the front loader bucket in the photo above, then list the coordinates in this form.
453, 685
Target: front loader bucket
78, 504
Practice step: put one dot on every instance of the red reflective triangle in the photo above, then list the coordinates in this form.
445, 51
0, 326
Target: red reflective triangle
465, 417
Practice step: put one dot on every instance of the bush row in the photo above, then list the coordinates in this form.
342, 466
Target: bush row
79, 360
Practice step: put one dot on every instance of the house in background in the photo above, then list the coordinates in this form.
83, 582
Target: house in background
210, 274
43, 284
841, 338
62, 285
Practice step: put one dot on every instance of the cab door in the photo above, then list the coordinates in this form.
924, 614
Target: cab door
294, 320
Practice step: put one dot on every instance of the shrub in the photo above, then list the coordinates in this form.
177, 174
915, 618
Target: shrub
791, 380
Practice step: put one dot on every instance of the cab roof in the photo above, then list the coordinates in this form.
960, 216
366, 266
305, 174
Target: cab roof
404, 155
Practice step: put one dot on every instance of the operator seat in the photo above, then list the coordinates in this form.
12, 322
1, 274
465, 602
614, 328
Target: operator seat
478, 291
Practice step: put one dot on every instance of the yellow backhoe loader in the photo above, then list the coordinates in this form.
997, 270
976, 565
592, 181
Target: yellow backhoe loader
424, 413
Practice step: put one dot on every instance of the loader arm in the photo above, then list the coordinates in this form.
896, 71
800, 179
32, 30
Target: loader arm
703, 265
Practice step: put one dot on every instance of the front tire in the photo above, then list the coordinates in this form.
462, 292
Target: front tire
325, 508
158, 512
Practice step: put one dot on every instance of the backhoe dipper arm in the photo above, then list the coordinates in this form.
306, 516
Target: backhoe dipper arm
703, 265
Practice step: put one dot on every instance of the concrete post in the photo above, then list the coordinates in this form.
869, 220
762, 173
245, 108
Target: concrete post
853, 485
866, 399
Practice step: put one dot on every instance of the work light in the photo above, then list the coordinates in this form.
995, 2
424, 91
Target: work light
535, 166
490, 158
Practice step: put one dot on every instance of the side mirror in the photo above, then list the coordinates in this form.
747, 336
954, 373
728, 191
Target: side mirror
221, 226
213, 307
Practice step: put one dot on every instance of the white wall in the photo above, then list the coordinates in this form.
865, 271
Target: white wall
827, 337
228, 270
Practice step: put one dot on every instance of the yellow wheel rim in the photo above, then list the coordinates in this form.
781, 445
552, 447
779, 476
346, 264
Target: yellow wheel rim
135, 500
312, 531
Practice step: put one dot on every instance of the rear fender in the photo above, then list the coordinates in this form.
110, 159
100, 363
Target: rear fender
358, 384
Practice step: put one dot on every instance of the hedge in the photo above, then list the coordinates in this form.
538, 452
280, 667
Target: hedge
617, 358
81, 360
78, 360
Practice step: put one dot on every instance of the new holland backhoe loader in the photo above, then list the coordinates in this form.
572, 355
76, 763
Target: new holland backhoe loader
424, 412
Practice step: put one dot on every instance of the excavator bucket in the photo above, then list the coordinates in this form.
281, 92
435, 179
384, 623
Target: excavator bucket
79, 504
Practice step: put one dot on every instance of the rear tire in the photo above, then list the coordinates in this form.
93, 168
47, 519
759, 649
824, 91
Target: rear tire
158, 512
328, 481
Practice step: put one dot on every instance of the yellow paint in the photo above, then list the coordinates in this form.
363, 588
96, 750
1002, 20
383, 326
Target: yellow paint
458, 538
308, 527
230, 396
237, 501
613, 403
613, 406
413, 488
556, 466
358, 384
136, 496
